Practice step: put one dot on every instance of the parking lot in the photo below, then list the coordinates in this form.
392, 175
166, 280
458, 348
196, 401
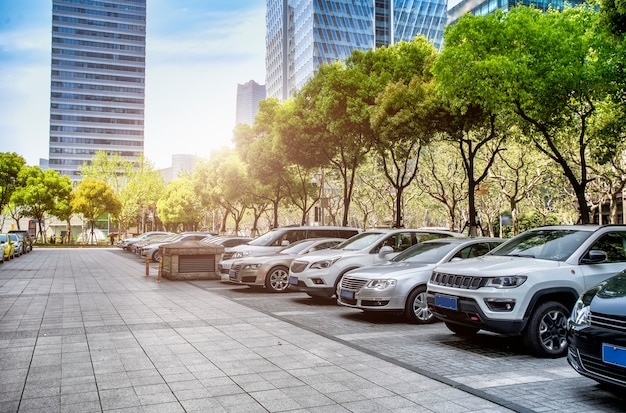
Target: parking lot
493, 367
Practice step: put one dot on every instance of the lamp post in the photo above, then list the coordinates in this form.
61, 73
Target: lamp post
320, 178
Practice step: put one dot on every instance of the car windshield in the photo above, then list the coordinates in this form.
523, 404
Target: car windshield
546, 244
264, 239
426, 252
3, 238
297, 246
360, 241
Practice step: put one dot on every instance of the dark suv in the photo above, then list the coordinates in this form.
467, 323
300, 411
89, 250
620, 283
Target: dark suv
27, 240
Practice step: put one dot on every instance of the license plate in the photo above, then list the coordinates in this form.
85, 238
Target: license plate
293, 280
614, 355
445, 301
347, 294
232, 274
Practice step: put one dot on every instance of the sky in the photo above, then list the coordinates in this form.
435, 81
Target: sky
197, 51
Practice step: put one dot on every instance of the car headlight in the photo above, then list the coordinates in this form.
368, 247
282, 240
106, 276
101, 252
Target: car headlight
381, 284
512, 281
580, 313
318, 265
250, 267
240, 254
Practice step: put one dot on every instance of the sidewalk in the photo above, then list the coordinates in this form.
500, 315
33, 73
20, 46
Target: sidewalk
83, 330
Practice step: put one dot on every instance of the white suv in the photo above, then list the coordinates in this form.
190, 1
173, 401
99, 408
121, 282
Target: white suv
319, 273
528, 285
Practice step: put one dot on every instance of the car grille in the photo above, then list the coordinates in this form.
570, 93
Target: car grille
351, 283
457, 281
596, 366
228, 255
609, 322
235, 268
298, 266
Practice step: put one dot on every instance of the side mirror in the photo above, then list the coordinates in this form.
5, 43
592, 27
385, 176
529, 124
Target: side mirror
594, 257
386, 250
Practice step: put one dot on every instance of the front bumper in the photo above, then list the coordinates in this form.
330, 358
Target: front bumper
469, 313
598, 353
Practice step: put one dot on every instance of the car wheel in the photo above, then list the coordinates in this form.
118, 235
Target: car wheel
277, 279
156, 257
546, 329
461, 330
416, 310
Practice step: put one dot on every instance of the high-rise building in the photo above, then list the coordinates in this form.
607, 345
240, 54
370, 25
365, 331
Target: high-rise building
97, 81
303, 34
457, 8
248, 97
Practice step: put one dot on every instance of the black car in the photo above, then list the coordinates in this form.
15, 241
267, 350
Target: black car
596, 333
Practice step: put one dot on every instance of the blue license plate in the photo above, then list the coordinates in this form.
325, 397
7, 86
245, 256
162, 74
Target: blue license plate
293, 280
347, 294
232, 274
614, 355
445, 301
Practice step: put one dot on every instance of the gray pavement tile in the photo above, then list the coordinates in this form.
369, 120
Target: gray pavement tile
41, 404
8, 396
86, 407
172, 407
118, 398
157, 398
9, 406
204, 405
79, 398
251, 407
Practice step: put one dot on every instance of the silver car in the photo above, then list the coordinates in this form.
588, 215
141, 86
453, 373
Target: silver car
272, 271
400, 284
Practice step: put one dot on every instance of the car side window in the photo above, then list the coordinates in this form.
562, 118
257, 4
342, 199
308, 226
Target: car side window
613, 244
472, 251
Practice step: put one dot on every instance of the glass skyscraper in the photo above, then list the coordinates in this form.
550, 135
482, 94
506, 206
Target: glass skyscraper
248, 97
97, 81
303, 34
457, 8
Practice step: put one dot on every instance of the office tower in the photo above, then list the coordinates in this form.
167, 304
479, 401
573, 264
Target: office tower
457, 8
248, 97
303, 34
97, 81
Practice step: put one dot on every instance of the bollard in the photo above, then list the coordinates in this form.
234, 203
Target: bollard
147, 265
160, 269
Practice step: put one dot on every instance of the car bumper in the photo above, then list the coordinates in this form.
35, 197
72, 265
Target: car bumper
246, 278
370, 300
469, 313
598, 353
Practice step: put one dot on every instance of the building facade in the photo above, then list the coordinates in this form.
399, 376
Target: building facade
457, 8
301, 35
248, 97
97, 81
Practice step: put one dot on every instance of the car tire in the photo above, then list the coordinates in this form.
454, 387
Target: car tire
416, 310
546, 330
461, 330
156, 257
277, 279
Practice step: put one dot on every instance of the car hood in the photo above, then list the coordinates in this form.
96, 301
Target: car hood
393, 270
262, 259
610, 298
497, 265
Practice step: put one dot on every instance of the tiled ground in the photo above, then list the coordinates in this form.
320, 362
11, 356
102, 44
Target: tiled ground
83, 330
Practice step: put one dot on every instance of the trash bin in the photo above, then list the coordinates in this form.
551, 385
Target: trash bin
191, 260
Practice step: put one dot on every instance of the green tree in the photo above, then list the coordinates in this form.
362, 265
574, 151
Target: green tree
180, 206
543, 68
39, 193
93, 198
10, 166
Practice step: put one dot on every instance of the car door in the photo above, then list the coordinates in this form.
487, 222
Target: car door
613, 244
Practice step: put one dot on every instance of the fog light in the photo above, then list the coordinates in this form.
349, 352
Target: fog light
317, 281
500, 304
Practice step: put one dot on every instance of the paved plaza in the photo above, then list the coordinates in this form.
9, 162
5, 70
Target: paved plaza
84, 330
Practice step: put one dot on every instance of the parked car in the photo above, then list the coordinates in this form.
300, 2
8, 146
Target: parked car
153, 251
596, 333
528, 285
399, 285
272, 271
126, 243
17, 244
227, 241
7, 246
319, 273
278, 238
139, 245
27, 240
